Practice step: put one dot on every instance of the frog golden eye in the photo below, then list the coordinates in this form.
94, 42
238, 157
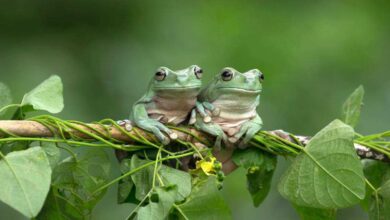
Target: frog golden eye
198, 72
227, 75
160, 75
261, 76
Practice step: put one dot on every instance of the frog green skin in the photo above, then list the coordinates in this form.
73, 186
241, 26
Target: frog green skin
170, 98
230, 100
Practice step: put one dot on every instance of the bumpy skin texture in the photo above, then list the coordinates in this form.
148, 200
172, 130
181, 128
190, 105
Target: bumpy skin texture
227, 107
170, 98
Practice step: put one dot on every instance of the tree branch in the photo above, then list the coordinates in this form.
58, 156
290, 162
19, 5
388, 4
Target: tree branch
35, 129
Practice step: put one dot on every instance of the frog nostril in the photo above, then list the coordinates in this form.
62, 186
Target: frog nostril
182, 79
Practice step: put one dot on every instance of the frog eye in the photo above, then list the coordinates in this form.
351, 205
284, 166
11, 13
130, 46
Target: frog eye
261, 76
198, 72
227, 75
160, 75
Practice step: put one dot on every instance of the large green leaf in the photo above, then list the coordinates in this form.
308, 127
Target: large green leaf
159, 210
46, 96
260, 167
352, 107
205, 202
5, 96
25, 180
306, 213
328, 173
74, 182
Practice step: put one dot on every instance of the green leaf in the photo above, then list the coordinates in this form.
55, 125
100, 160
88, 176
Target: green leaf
352, 107
9, 147
5, 96
380, 203
159, 210
260, 167
328, 173
76, 179
25, 180
259, 179
377, 173
46, 96
53, 153
58, 208
143, 179
306, 213
126, 185
377, 201
247, 158
382, 207
205, 202
179, 178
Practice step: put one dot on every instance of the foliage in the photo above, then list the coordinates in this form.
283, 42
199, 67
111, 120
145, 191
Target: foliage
352, 107
5, 96
40, 182
260, 167
318, 179
25, 179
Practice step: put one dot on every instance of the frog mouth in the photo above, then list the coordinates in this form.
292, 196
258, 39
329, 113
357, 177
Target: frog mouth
177, 88
241, 90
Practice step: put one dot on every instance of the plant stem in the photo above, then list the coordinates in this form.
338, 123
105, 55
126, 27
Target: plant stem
131, 172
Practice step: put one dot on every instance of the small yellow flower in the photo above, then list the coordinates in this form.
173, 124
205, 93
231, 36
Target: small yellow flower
207, 166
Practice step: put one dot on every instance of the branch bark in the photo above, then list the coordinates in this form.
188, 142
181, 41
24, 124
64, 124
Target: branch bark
35, 129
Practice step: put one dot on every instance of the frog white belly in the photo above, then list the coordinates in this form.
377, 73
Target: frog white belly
235, 110
173, 107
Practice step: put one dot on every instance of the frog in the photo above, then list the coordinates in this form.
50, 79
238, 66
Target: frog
226, 107
170, 97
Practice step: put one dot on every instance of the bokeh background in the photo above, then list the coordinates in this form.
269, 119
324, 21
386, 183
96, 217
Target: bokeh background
313, 55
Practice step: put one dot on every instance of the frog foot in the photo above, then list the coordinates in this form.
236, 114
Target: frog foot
219, 141
206, 110
192, 120
126, 123
247, 131
158, 129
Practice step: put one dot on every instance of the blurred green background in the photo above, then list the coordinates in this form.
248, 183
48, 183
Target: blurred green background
313, 55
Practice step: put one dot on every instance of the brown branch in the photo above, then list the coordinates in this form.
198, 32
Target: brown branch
36, 129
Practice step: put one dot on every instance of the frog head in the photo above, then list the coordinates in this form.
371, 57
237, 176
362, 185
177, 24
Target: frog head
166, 79
230, 81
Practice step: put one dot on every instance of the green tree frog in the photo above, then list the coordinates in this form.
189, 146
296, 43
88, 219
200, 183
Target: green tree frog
170, 98
227, 106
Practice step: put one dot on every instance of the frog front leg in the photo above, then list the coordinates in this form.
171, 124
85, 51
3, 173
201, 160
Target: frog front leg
248, 130
205, 110
214, 130
142, 120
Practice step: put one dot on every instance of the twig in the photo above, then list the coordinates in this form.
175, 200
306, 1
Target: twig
35, 129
